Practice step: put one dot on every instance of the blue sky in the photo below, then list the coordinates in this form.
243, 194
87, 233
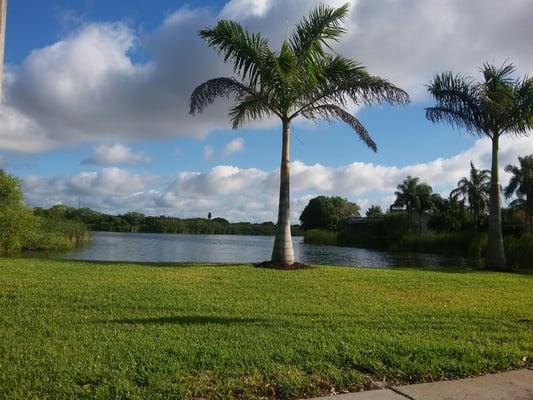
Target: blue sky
97, 90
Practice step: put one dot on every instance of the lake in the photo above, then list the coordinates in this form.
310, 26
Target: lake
153, 247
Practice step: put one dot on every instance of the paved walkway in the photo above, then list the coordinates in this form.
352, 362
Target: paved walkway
513, 385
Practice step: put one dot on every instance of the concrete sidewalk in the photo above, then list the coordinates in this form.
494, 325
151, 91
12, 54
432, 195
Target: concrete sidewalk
513, 385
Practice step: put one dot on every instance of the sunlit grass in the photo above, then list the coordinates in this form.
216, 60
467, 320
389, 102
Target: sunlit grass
96, 330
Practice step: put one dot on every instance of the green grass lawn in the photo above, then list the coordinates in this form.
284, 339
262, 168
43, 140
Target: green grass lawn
96, 330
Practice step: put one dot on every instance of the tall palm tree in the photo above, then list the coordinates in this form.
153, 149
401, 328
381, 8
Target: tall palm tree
475, 190
415, 196
499, 105
300, 79
521, 184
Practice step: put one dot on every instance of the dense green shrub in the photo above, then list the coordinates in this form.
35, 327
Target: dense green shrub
56, 234
384, 234
20, 229
458, 243
16, 221
519, 251
320, 236
323, 212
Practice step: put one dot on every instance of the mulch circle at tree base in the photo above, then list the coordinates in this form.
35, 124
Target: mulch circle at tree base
272, 265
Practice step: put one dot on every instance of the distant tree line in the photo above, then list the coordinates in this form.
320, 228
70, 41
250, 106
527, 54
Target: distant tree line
138, 222
456, 224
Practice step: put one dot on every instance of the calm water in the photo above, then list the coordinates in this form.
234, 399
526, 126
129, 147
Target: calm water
154, 247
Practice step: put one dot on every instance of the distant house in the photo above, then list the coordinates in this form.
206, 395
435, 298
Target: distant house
355, 223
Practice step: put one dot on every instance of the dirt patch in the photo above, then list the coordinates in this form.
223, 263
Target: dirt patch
271, 265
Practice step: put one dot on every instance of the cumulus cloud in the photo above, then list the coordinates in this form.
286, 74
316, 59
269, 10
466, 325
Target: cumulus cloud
235, 146
87, 88
108, 190
105, 155
251, 194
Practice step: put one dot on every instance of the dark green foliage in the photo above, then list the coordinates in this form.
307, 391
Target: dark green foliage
320, 236
475, 190
325, 212
414, 196
449, 215
521, 185
138, 222
16, 221
467, 244
519, 251
374, 211
384, 234
21, 229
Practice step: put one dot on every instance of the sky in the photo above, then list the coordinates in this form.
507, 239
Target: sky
95, 104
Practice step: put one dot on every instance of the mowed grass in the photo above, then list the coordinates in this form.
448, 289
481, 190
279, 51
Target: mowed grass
95, 330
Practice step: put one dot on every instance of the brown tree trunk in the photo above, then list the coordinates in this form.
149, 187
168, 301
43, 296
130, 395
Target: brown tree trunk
495, 258
283, 251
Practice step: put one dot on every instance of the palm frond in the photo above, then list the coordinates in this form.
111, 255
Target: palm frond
323, 24
331, 112
249, 53
252, 107
458, 102
344, 81
209, 91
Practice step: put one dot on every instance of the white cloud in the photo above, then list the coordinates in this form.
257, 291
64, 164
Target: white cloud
238, 9
87, 88
105, 155
251, 194
235, 146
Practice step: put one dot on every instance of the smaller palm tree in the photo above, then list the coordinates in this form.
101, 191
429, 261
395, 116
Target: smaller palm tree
475, 190
521, 184
498, 105
449, 215
415, 196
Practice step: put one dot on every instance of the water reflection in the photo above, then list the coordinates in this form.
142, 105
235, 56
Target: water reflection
150, 247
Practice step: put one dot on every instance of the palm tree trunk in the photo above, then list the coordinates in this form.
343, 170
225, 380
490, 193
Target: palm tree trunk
419, 223
495, 258
282, 251
3, 10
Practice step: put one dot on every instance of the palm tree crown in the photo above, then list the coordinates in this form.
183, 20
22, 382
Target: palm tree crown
300, 79
415, 196
499, 105
475, 190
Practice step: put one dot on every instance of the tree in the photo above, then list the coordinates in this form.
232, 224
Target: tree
475, 190
17, 223
499, 105
415, 196
521, 184
134, 219
374, 211
324, 212
301, 79
449, 215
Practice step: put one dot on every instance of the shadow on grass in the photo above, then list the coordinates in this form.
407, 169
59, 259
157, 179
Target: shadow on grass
186, 320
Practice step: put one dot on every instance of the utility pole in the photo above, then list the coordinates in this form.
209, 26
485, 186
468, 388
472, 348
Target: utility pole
3, 11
